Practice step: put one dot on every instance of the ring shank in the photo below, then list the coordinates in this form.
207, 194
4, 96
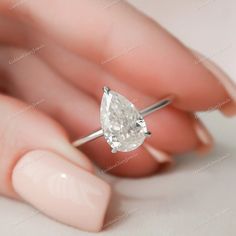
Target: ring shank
146, 111
157, 106
88, 138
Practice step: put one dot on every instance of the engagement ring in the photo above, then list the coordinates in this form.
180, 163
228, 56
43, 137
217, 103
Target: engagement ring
122, 125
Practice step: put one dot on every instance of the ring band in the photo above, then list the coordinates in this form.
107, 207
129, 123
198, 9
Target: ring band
125, 123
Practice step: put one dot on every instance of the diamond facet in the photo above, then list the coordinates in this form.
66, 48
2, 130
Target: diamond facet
123, 126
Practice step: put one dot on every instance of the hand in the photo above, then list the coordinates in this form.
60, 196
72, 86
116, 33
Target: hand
55, 58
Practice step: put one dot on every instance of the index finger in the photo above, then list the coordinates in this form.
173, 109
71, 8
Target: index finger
130, 46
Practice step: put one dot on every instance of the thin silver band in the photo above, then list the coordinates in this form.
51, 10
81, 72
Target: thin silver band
146, 111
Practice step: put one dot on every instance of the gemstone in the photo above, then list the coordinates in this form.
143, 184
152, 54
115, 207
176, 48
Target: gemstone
123, 126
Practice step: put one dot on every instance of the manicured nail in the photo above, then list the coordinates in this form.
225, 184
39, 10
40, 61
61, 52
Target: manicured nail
61, 190
227, 107
163, 158
205, 138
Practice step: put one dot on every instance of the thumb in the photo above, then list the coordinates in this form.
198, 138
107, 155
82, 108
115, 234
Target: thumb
39, 165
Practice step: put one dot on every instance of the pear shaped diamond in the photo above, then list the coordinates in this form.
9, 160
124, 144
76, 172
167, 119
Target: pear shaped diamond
123, 126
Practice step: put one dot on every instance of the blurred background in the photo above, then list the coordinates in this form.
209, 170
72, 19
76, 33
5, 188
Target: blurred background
198, 196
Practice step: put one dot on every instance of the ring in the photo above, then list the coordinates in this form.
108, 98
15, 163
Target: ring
122, 124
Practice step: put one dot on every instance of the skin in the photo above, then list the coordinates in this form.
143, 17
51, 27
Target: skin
88, 46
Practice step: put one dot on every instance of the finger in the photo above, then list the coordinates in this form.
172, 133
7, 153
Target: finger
19, 34
130, 46
65, 103
38, 165
73, 109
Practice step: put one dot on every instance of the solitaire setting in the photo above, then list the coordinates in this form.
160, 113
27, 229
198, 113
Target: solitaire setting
122, 124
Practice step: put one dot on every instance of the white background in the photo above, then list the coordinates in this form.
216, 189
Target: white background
198, 196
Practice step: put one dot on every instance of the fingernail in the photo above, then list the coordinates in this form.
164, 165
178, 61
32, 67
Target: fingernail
62, 190
227, 107
205, 138
163, 158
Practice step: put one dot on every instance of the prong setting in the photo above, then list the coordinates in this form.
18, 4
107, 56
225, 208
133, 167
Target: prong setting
106, 89
148, 134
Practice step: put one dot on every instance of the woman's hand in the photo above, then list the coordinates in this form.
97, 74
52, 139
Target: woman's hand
55, 57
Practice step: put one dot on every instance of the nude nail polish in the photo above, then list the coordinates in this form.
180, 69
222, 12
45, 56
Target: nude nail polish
164, 159
205, 138
62, 190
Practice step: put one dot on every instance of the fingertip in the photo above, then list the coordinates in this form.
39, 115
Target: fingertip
205, 139
62, 190
228, 105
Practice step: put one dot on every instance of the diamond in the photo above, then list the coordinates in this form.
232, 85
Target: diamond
123, 126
